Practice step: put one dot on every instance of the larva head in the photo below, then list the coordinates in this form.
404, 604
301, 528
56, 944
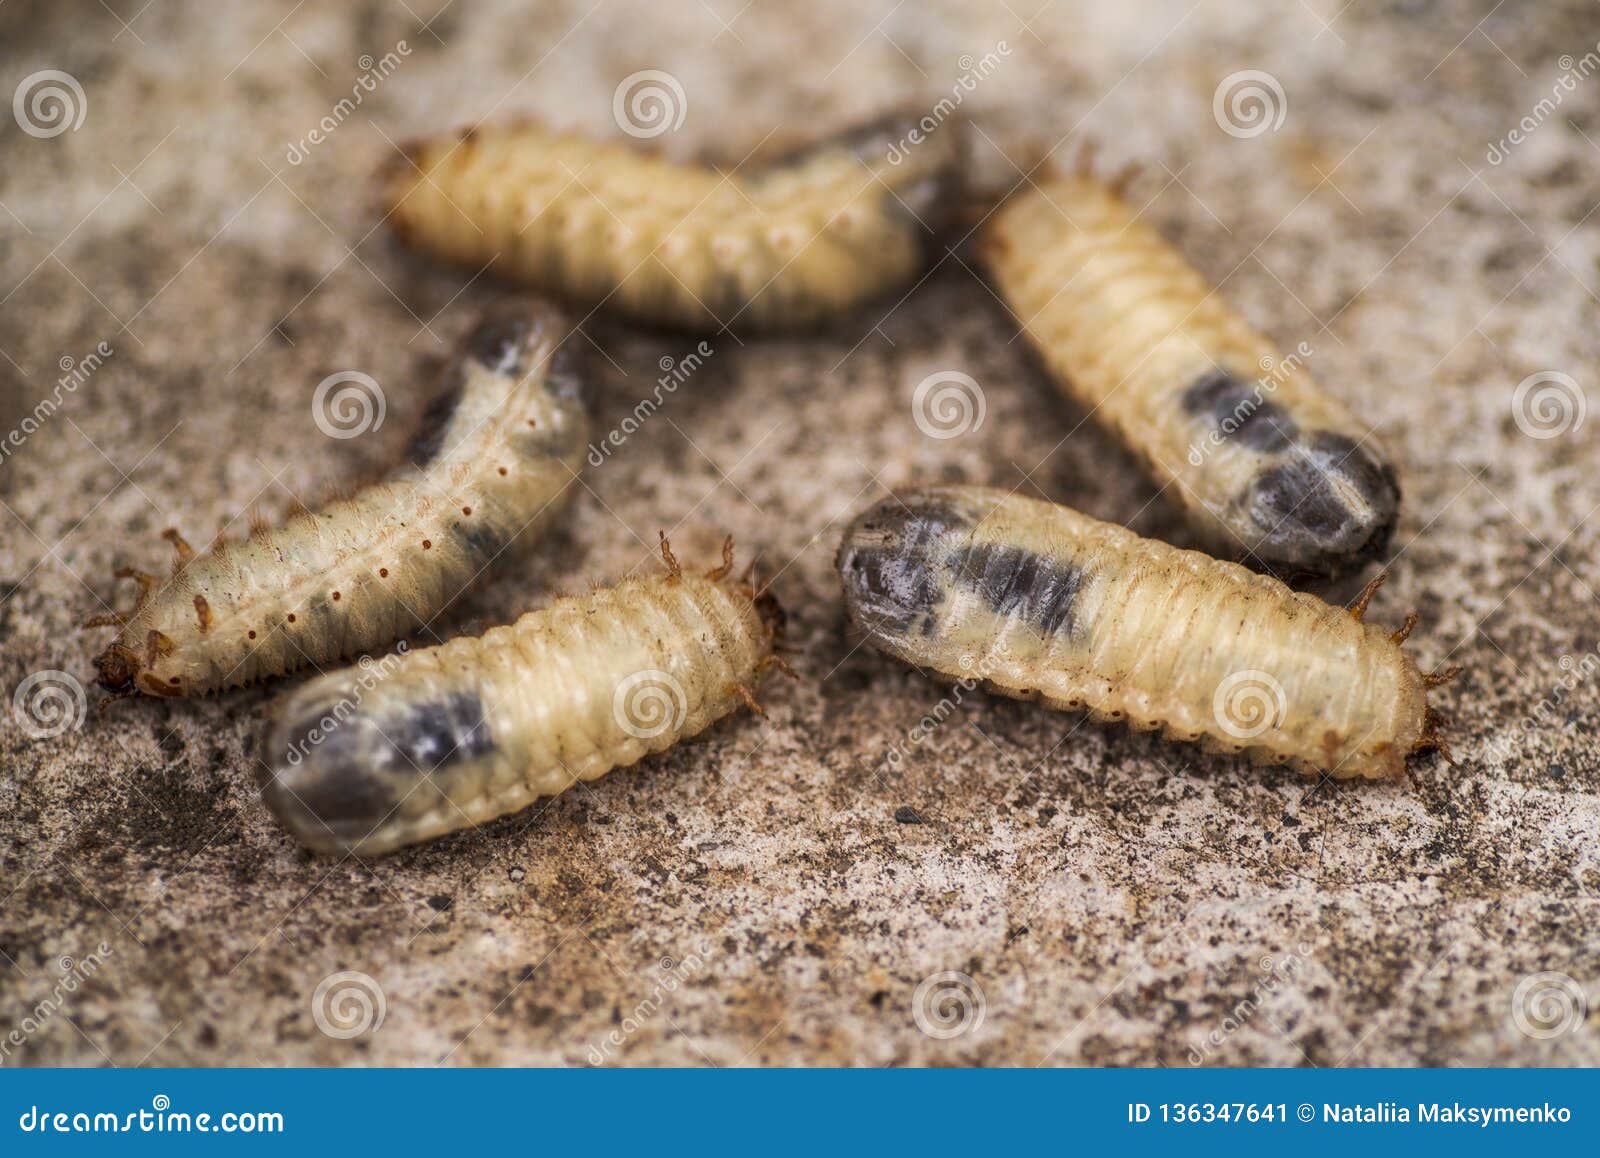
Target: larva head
351, 763
1326, 506
117, 670
889, 562
155, 671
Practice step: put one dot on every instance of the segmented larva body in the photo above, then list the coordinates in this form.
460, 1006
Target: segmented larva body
1037, 600
1265, 462
455, 735
779, 245
492, 463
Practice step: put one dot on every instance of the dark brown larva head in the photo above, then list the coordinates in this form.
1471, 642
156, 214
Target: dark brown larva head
116, 669
888, 563
1327, 508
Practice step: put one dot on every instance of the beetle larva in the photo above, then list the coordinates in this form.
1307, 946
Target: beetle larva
491, 464
1041, 602
1267, 465
778, 245
455, 735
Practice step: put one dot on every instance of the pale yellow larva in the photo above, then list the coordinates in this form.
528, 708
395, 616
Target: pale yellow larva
1270, 467
776, 245
1038, 601
380, 756
496, 457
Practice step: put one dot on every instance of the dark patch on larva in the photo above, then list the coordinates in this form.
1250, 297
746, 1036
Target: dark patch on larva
893, 585
1238, 411
429, 439
435, 734
1016, 582
500, 342
481, 540
567, 374
1304, 518
343, 788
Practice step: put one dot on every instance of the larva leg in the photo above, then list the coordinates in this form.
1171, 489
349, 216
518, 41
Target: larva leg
179, 544
391, 753
782, 244
1040, 601
1268, 465
492, 463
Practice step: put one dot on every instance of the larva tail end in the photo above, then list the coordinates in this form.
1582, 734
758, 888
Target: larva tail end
116, 669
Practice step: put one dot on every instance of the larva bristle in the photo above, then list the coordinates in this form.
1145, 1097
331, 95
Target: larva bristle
258, 522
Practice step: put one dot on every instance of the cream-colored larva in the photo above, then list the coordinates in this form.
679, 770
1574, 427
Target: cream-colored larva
494, 460
1270, 467
455, 735
776, 245
1038, 601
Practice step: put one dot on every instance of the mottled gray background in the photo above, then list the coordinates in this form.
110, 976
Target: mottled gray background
1112, 898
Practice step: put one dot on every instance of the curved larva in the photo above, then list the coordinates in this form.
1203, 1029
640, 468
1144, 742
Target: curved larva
777, 245
1040, 601
455, 735
1264, 461
492, 463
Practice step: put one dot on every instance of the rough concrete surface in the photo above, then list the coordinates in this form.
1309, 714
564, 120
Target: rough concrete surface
777, 891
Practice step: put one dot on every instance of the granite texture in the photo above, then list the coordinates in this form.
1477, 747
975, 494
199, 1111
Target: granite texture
800, 889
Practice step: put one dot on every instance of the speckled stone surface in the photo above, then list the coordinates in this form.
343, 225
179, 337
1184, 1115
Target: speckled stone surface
778, 891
